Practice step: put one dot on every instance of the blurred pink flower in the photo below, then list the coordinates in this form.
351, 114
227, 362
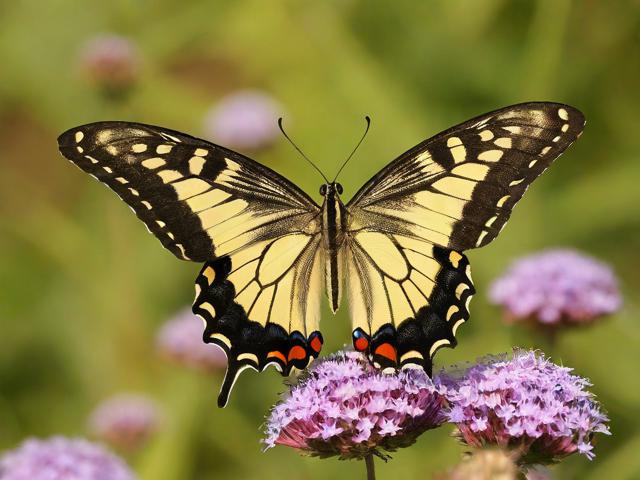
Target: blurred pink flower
246, 119
126, 420
60, 458
110, 62
345, 407
557, 287
180, 339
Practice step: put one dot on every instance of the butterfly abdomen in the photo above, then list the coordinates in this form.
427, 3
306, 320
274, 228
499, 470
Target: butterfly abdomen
334, 223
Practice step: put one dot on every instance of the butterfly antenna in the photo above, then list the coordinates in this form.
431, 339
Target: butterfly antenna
366, 130
300, 151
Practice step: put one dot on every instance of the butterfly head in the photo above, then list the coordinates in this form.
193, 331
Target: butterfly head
328, 190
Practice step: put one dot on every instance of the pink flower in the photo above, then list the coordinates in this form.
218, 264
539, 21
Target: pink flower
110, 62
126, 421
60, 458
557, 287
246, 120
345, 407
180, 339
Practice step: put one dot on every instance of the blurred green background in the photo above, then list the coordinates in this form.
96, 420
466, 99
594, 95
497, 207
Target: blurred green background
84, 288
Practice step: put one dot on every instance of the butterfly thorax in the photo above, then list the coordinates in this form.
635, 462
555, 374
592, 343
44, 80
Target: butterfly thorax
334, 227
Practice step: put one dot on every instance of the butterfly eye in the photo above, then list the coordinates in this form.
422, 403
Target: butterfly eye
323, 190
339, 188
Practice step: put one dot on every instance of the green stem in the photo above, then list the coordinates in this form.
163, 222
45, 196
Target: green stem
371, 470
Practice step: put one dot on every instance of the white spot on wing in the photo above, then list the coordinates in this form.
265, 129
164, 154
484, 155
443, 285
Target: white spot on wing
437, 345
504, 142
139, 148
486, 135
490, 155
196, 164
453, 142
154, 162
456, 325
481, 237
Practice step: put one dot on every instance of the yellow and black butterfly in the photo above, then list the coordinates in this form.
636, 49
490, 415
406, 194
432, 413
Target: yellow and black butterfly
267, 247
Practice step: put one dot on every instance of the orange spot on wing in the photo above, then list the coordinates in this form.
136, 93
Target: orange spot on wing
316, 344
297, 353
388, 351
210, 273
277, 354
361, 344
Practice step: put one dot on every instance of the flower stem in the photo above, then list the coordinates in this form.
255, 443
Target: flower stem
371, 471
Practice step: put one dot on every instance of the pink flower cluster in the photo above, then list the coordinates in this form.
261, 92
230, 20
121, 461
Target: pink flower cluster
125, 420
246, 119
524, 403
60, 458
110, 62
538, 411
347, 408
180, 339
557, 286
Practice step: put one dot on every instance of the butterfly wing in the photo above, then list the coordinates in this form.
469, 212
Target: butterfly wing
259, 290
261, 306
411, 221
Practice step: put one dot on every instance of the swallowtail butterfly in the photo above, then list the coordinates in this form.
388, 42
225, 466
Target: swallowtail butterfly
268, 247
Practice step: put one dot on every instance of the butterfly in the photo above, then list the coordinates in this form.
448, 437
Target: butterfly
268, 247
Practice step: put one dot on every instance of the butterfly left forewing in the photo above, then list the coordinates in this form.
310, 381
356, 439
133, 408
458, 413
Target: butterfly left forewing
410, 223
199, 199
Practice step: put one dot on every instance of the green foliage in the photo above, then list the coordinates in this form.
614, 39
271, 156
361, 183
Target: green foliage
84, 287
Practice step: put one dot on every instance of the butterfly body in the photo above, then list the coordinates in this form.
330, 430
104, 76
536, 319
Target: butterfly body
334, 232
396, 247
